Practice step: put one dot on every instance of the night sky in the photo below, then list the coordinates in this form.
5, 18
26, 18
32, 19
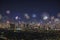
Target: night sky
31, 7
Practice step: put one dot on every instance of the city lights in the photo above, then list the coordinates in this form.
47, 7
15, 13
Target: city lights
47, 21
29, 19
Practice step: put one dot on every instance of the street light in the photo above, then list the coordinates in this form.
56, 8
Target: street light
34, 15
16, 17
26, 16
45, 17
8, 11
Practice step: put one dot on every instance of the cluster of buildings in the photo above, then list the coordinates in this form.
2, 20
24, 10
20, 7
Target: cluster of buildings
36, 26
47, 24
